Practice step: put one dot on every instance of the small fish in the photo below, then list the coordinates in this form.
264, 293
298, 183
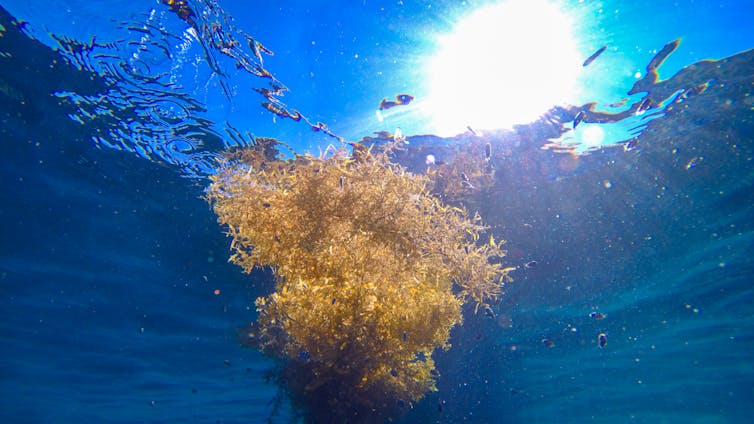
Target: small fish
602, 340
530, 264
434, 373
662, 55
401, 403
631, 144
226, 362
274, 90
258, 48
471, 130
405, 336
597, 315
644, 105
489, 312
333, 301
578, 119
440, 405
487, 152
404, 98
281, 111
465, 181
342, 182
21, 24
548, 343
400, 99
182, 9
321, 126
394, 373
387, 104
594, 55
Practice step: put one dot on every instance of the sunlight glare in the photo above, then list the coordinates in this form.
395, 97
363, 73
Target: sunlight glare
592, 135
505, 64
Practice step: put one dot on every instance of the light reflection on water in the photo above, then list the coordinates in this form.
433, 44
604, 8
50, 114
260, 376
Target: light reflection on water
161, 76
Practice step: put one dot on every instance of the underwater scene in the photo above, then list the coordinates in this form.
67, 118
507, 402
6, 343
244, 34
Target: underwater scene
490, 211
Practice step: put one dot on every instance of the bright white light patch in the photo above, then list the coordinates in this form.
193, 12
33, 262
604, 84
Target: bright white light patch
504, 64
592, 135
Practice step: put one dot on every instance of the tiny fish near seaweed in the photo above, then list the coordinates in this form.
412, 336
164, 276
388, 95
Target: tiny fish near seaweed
594, 55
400, 99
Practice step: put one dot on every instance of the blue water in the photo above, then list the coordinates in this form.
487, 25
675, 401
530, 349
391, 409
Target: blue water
110, 260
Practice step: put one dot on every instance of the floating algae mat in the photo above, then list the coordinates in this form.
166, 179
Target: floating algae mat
371, 273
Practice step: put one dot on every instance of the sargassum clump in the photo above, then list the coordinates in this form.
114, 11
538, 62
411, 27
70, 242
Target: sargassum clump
371, 270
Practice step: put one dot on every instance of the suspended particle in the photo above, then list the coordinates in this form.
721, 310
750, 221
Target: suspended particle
602, 340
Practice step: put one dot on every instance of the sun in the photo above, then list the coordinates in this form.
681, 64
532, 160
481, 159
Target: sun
504, 64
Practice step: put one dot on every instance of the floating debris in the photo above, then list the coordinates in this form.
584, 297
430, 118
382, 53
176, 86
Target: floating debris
594, 55
430, 160
530, 264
